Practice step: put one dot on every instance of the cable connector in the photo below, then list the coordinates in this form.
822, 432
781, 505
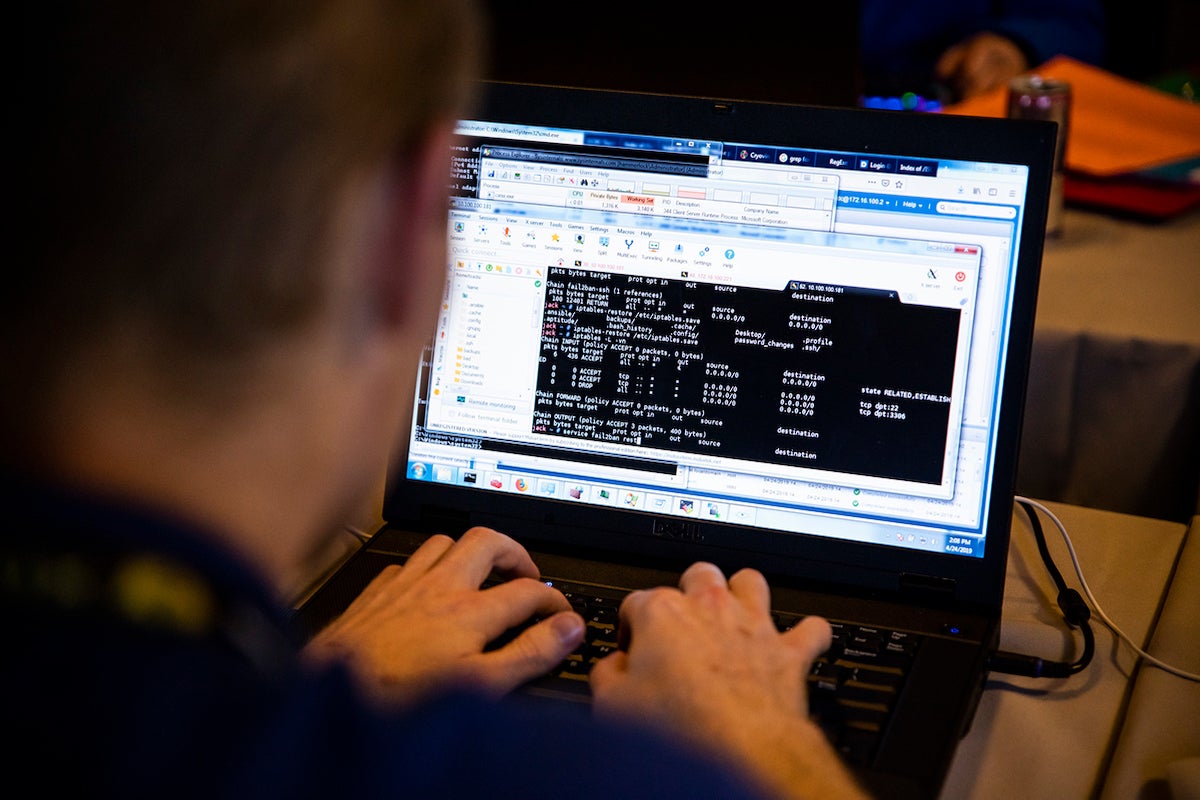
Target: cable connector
1028, 666
1074, 609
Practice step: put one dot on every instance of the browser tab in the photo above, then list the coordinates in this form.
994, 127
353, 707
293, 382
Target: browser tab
758, 155
876, 164
797, 158
836, 160
912, 166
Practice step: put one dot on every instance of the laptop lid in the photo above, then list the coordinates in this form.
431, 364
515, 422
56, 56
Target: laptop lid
788, 337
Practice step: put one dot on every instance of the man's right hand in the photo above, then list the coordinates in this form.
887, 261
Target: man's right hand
706, 663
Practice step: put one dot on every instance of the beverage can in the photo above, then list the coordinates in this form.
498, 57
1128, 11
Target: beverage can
1035, 97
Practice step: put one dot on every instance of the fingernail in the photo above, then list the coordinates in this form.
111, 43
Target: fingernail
568, 628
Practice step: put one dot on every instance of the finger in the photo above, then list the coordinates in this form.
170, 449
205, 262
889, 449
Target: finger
632, 610
750, 587
810, 637
428, 554
513, 602
607, 671
381, 589
701, 576
534, 652
393, 576
480, 551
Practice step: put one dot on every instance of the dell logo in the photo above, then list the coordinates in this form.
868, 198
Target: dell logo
677, 529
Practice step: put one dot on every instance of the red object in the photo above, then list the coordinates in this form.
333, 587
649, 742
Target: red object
1131, 194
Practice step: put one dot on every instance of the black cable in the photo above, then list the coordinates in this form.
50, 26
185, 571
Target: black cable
1075, 611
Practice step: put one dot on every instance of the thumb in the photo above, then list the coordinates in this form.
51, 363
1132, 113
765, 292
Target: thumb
532, 653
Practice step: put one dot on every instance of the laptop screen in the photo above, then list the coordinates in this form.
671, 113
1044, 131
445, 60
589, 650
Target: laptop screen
764, 334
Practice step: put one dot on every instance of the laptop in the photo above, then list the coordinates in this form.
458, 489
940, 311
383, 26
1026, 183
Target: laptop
788, 337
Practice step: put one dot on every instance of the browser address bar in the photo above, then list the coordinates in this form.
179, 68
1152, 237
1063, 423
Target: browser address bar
976, 210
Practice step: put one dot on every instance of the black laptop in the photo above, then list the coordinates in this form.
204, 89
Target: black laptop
787, 337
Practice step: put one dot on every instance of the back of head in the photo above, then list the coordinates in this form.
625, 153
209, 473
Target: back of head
181, 166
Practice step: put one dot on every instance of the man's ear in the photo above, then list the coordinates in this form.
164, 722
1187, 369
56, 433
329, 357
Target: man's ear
409, 263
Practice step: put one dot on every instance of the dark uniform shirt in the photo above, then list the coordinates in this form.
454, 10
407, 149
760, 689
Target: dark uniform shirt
143, 661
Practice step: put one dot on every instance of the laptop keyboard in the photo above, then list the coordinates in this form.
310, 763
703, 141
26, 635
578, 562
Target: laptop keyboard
852, 687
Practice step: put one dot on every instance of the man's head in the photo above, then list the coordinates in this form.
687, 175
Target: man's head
206, 186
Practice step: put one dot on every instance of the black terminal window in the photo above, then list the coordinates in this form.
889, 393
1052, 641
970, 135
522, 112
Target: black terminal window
824, 377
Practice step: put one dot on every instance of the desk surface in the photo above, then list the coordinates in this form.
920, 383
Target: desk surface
1052, 738
1115, 375
1122, 277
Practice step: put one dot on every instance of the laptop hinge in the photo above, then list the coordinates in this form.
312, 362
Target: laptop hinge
930, 586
